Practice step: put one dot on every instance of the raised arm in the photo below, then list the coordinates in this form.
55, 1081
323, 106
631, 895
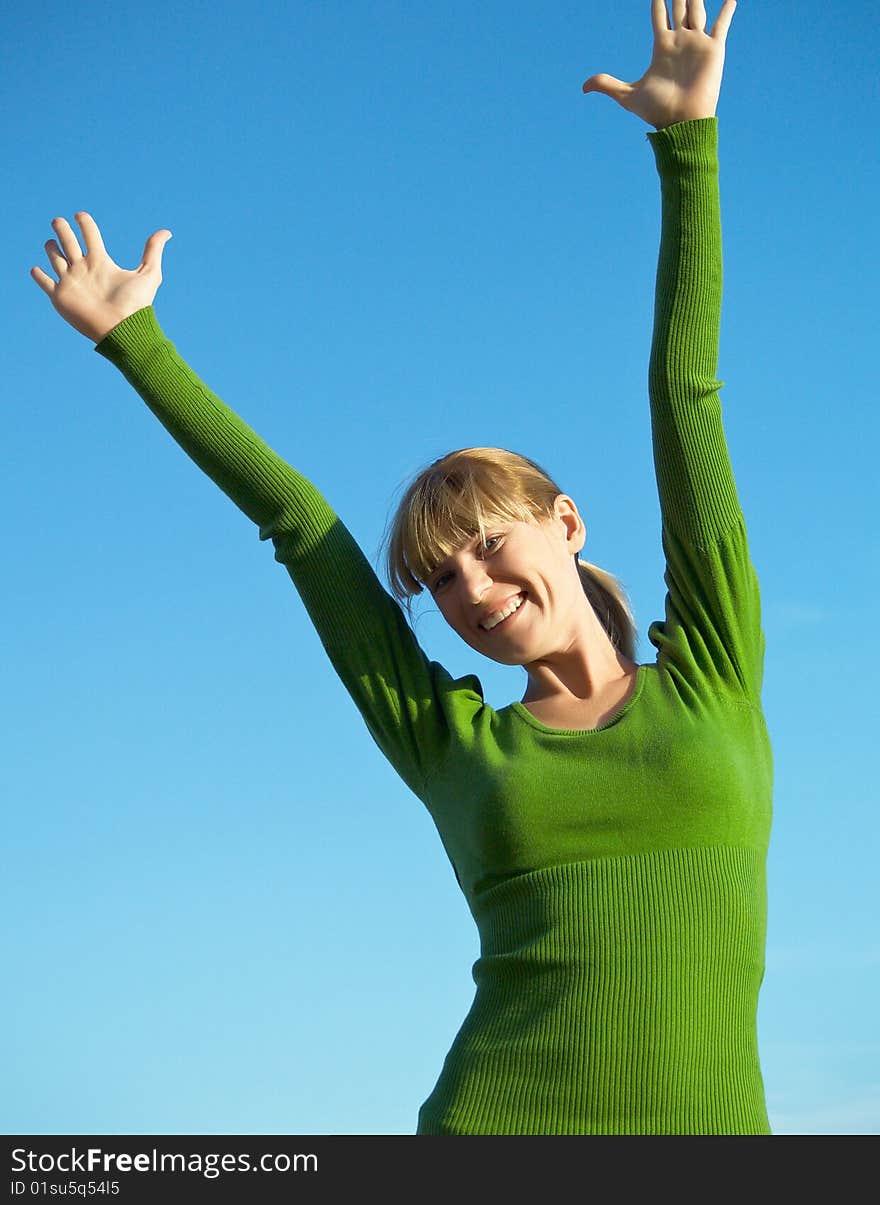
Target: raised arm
678, 94
711, 638
410, 705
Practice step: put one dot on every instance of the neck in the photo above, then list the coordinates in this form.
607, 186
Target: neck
584, 671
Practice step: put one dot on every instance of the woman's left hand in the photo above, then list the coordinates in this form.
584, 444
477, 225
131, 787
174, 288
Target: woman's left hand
684, 78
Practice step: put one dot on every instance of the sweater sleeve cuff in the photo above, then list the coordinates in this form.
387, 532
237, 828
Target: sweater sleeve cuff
132, 340
686, 146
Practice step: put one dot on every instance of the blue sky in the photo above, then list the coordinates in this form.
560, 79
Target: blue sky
398, 229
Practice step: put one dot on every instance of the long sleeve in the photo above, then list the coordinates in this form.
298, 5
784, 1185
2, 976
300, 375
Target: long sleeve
408, 703
712, 636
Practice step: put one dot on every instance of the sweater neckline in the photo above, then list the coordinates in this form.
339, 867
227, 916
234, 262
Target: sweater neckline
523, 712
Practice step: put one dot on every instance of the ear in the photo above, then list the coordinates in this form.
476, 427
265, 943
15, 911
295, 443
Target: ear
574, 529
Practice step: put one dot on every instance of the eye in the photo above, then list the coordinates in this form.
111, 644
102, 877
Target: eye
442, 578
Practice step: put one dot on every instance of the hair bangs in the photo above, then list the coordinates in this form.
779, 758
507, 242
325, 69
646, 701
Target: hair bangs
452, 508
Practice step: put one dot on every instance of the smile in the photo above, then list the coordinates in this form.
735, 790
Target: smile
509, 618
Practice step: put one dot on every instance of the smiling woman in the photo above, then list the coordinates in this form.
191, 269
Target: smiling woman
611, 838
455, 502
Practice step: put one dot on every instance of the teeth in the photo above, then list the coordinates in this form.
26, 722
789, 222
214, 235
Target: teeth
494, 621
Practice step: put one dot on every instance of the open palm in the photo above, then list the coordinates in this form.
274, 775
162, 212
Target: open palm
683, 81
92, 292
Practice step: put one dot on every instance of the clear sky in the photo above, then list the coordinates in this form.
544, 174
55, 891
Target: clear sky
398, 229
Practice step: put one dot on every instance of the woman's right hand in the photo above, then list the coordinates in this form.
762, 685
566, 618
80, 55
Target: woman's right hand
92, 292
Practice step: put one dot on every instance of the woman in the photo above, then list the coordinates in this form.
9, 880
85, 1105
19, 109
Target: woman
609, 831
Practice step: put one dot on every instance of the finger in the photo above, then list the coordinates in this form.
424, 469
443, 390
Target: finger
56, 258
153, 249
67, 239
679, 8
46, 283
696, 15
609, 85
659, 16
91, 234
722, 21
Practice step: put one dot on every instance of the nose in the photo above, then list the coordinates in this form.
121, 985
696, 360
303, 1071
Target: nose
476, 582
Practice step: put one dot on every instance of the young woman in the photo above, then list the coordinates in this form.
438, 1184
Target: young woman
609, 831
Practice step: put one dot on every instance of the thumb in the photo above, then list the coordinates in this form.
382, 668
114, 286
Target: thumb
608, 85
153, 249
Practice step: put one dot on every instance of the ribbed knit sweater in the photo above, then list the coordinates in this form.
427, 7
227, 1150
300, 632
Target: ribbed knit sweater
616, 875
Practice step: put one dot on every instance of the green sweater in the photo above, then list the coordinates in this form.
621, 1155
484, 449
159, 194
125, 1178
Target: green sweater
616, 875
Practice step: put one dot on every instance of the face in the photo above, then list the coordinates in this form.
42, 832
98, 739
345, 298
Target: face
532, 560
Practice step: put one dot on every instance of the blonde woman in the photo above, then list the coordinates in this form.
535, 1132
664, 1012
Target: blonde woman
609, 830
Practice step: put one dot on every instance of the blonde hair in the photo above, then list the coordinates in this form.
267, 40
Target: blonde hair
462, 493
